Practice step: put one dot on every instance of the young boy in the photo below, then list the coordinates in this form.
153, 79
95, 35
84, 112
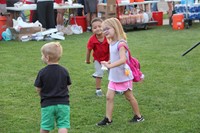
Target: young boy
52, 84
98, 43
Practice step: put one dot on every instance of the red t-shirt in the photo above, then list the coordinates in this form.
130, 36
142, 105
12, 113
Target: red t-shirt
100, 49
2, 1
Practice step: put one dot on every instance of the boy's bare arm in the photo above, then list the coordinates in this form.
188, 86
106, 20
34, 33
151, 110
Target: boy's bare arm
38, 90
88, 56
68, 87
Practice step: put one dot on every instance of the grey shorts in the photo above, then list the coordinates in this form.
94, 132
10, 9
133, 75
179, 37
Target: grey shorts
90, 6
98, 71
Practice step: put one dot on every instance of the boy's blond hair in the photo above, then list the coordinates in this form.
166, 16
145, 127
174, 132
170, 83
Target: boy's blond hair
53, 50
115, 23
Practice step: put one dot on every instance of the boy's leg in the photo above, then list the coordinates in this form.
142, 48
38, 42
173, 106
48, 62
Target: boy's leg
98, 83
62, 130
98, 76
43, 131
98, 87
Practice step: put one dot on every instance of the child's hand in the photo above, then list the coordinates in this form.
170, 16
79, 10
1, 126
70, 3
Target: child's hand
105, 64
87, 62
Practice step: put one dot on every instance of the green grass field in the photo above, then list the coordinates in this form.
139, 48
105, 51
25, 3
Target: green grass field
168, 98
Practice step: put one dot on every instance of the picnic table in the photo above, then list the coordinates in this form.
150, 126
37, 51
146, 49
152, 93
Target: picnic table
34, 7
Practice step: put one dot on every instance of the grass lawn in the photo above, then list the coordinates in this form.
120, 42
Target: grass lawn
168, 98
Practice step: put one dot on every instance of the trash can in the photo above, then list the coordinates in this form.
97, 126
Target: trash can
2, 25
80, 21
158, 16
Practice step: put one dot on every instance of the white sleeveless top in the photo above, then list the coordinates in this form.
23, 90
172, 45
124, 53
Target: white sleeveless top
117, 74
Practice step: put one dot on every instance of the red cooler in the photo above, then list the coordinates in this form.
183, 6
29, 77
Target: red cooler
80, 20
2, 25
178, 21
158, 16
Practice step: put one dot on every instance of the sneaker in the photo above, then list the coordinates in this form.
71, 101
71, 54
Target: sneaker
104, 122
137, 119
99, 93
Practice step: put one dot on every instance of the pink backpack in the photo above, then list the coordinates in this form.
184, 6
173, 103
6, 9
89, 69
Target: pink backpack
134, 65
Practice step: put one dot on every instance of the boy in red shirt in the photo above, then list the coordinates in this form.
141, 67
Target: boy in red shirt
100, 47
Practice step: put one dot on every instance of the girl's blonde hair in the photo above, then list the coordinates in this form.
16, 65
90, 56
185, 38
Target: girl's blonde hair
54, 50
115, 23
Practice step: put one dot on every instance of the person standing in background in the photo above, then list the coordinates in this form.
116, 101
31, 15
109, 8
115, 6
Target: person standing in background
45, 13
2, 6
170, 8
60, 15
91, 11
154, 6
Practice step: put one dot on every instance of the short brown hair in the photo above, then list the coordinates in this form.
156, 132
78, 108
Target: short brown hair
96, 20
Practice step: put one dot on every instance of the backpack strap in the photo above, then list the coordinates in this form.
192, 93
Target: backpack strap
126, 47
124, 44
